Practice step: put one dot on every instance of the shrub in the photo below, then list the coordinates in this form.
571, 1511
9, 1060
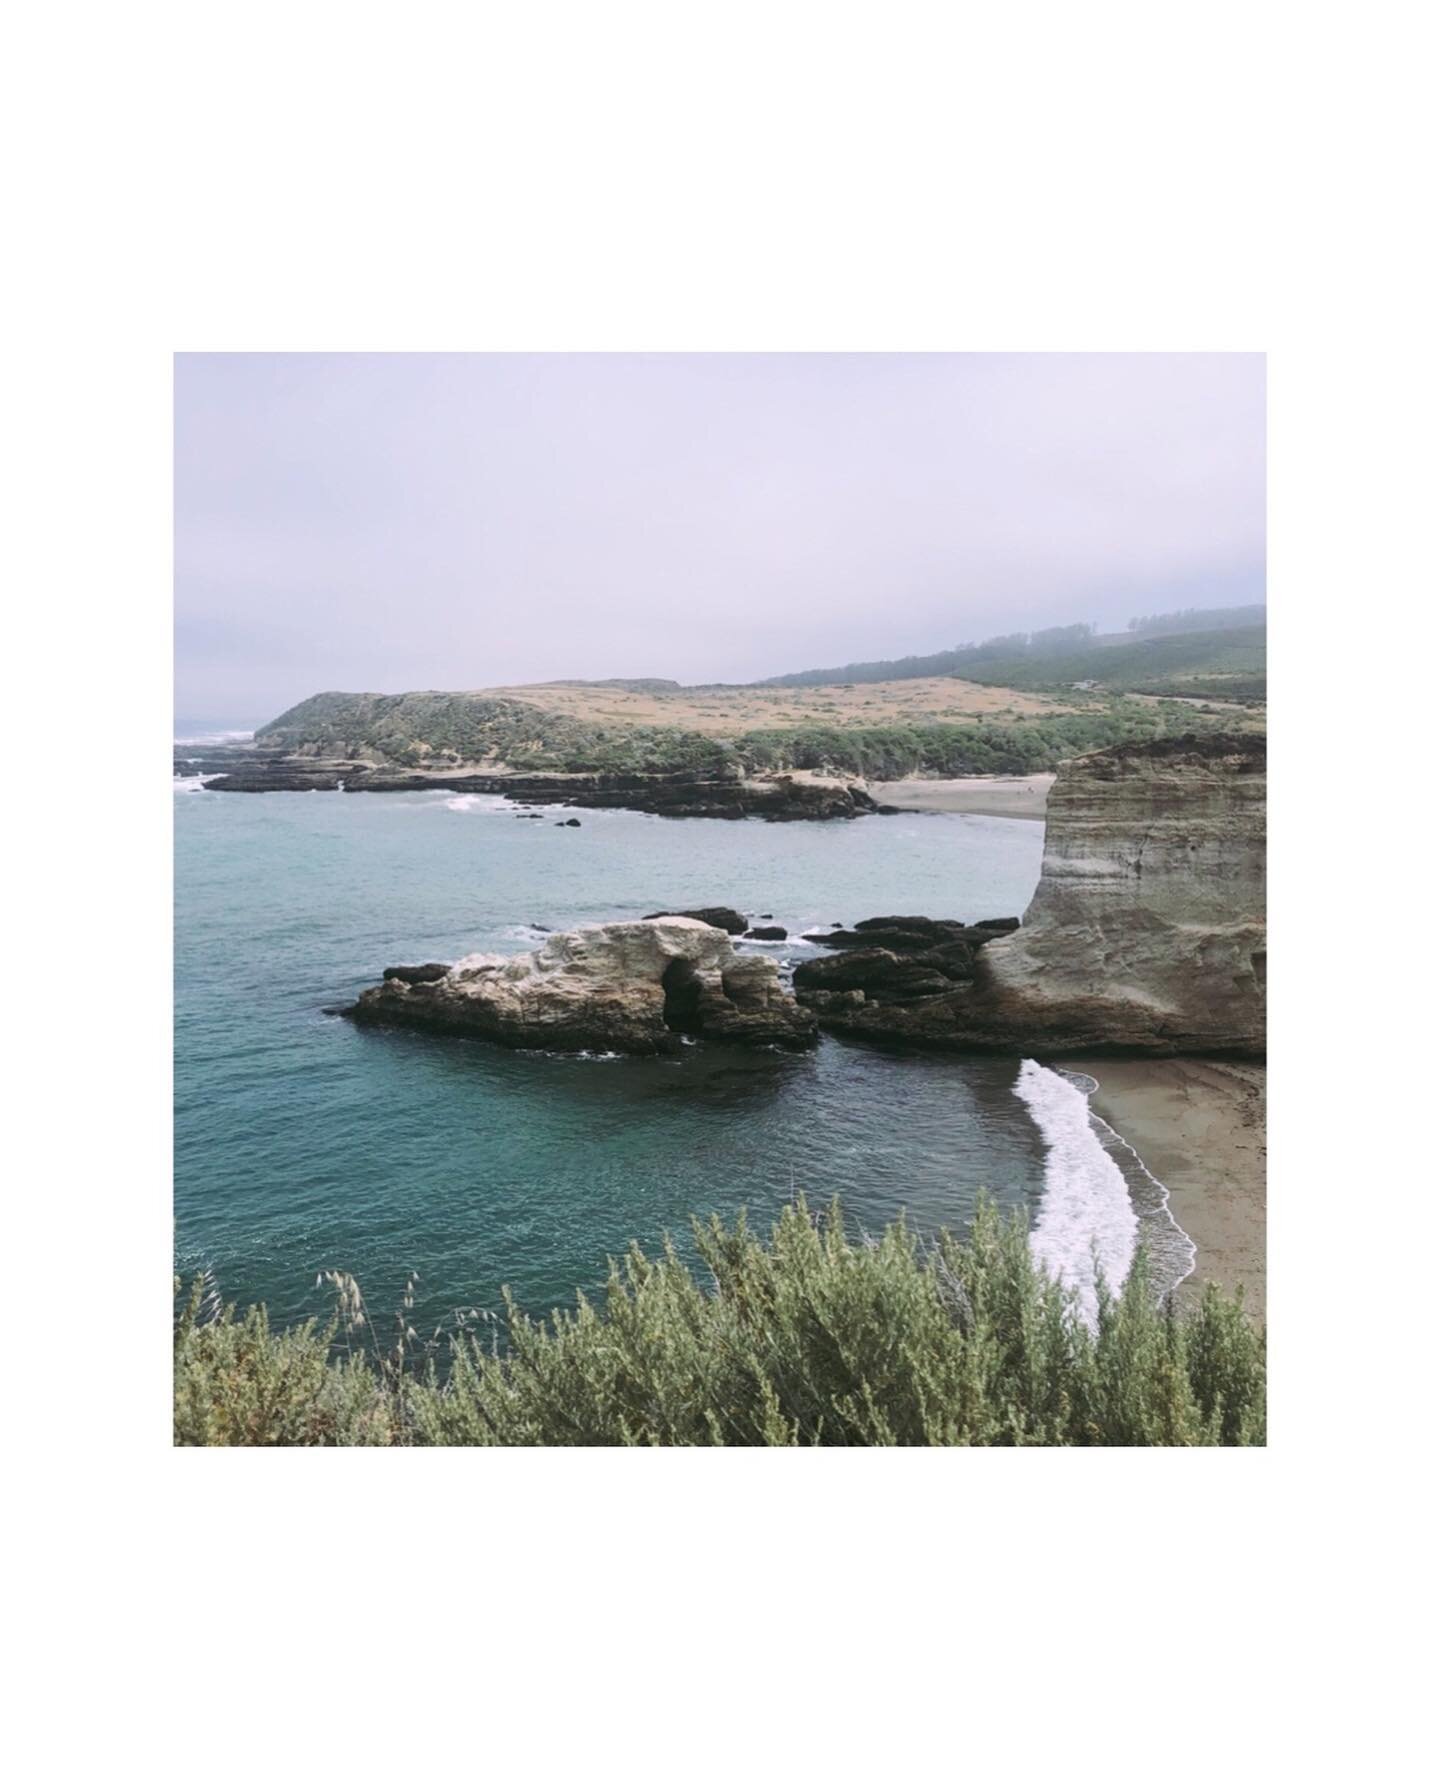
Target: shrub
806, 1337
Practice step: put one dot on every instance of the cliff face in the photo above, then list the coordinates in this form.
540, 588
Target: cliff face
1148, 928
1147, 931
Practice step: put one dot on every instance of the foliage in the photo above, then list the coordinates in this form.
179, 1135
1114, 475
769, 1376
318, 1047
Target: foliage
806, 1337
949, 749
1189, 622
237, 1382
1056, 658
438, 730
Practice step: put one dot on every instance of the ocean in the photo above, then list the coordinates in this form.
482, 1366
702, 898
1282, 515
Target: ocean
303, 1143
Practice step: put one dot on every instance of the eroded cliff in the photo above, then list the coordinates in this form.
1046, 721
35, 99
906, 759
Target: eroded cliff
1146, 934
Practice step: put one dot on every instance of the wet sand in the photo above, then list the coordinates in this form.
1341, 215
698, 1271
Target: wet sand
1015, 799
1199, 1124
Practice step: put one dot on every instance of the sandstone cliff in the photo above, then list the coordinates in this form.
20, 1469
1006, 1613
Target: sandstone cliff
629, 986
1146, 934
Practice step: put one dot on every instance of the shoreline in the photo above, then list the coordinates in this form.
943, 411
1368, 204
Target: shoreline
1198, 1124
1010, 798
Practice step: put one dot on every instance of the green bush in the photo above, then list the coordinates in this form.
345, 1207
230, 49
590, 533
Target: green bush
806, 1337
952, 749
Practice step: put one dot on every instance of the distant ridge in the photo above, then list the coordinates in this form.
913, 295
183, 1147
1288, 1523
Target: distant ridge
1189, 652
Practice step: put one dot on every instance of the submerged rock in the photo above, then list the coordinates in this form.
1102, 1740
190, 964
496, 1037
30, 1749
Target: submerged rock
628, 986
767, 933
1147, 932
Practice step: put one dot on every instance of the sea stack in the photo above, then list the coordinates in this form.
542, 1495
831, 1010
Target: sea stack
624, 986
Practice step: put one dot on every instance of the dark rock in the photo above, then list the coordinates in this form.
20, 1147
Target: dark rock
676, 794
767, 933
415, 973
730, 919
880, 975
572, 823
911, 933
897, 933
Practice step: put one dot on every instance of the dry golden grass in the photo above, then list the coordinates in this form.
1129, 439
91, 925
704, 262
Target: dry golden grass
728, 709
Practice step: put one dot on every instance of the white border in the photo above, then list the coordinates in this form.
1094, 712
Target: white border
645, 176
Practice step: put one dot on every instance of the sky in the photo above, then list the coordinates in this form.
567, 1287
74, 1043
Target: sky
425, 521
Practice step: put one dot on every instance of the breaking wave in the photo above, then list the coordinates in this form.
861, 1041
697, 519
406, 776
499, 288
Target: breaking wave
214, 737
469, 805
1093, 1214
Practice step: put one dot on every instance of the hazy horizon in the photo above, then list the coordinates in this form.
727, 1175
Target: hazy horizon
400, 522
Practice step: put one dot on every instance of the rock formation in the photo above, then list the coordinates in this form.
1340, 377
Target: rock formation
631, 986
414, 973
730, 920
893, 962
779, 797
1146, 934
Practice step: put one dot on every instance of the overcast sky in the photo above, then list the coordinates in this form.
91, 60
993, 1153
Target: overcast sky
398, 522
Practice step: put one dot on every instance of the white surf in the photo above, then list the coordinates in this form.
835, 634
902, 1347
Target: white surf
1087, 1225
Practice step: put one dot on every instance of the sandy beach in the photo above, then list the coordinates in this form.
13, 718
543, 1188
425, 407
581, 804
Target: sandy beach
1014, 799
1199, 1125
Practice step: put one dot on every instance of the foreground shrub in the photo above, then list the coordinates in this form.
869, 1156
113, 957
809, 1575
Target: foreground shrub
237, 1382
803, 1338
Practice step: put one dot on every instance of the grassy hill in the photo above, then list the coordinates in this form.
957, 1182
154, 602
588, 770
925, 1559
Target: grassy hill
450, 730
1023, 703
1195, 654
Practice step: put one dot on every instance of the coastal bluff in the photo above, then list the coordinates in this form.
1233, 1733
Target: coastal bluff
1146, 934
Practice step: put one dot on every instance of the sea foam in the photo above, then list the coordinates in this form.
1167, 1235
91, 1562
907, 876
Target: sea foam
214, 737
473, 804
1087, 1223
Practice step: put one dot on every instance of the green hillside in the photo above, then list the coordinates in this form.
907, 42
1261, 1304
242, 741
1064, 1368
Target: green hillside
442, 730
1160, 656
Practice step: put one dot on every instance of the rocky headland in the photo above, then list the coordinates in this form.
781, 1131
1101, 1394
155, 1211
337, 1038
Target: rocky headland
627, 986
777, 797
1146, 934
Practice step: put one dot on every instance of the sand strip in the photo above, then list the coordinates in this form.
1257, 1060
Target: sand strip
1014, 799
1199, 1125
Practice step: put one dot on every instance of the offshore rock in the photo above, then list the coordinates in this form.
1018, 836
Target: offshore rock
626, 986
1146, 935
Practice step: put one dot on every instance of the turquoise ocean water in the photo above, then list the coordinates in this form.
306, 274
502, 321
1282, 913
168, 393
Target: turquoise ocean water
304, 1143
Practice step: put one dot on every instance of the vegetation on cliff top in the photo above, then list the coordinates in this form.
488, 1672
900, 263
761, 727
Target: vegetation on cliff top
439, 730
1093, 691
804, 1338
